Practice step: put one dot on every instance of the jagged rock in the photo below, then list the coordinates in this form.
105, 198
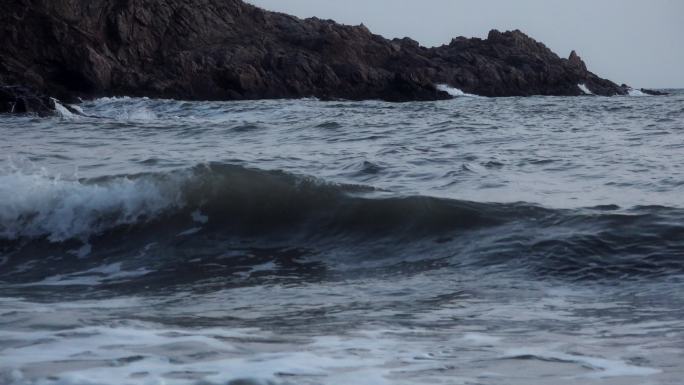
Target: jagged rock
513, 64
227, 49
627, 89
654, 92
576, 62
19, 99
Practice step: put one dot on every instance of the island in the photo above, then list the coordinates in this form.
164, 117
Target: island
231, 50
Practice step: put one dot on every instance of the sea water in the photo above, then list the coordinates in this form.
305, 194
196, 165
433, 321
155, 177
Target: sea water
473, 241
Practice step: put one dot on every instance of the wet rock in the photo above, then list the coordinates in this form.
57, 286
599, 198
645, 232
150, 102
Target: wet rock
19, 99
576, 62
654, 92
628, 89
513, 64
228, 49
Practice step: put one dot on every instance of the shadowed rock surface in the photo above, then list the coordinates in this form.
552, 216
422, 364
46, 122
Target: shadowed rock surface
654, 92
229, 50
18, 99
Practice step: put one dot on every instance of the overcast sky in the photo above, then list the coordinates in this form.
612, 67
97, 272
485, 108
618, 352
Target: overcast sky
639, 42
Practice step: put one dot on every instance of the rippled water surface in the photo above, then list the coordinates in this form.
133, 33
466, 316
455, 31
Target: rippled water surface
473, 241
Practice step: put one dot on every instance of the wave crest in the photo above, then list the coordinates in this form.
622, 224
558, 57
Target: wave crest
39, 205
212, 208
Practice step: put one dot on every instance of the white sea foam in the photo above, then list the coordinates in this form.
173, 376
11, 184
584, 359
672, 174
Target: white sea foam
103, 274
603, 368
63, 111
455, 92
263, 268
481, 339
635, 92
437, 347
137, 115
107, 99
585, 89
36, 204
125, 109
190, 231
77, 108
160, 352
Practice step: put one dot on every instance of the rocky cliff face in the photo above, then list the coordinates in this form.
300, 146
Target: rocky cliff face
513, 64
227, 50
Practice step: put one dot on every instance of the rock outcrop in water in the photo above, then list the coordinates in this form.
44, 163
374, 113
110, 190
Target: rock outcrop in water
653, 92
228, 50
18, 99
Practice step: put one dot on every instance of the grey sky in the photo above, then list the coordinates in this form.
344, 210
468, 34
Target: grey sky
639, 42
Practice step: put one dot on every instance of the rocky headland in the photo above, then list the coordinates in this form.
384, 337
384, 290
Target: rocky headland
231, 50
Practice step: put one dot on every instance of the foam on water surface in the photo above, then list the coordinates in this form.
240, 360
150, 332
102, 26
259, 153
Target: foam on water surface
499, 241
37, 204
91, 277
455, 92
62, 111
635, 92
585, 89
433, 346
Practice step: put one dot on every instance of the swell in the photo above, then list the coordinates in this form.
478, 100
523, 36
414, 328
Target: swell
232, 198
217, 219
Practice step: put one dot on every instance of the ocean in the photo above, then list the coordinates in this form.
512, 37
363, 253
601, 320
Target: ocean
492, 241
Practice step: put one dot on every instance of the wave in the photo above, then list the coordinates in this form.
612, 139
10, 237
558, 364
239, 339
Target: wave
40, 206
202, 213
635, 92
455, 92
583, 87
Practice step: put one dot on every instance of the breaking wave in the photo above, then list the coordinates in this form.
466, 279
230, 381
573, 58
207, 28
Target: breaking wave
583, 87
455, 92
635, 92
211, 208
39, 205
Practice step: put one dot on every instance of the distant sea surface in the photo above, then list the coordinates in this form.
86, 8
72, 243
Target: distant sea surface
507, 241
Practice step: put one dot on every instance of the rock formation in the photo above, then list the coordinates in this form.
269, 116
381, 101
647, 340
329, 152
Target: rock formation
653, 92
18, 99
229, 50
